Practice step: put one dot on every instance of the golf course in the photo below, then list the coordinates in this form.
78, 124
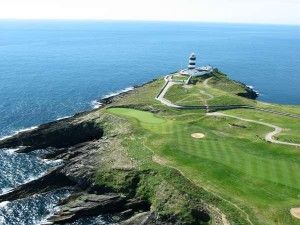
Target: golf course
227, 155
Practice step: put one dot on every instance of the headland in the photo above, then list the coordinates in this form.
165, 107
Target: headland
177, 150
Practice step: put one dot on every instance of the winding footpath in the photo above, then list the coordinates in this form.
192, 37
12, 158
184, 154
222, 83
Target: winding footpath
161, 96
169, 83
269, 137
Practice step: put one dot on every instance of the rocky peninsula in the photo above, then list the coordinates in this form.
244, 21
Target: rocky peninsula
109, 167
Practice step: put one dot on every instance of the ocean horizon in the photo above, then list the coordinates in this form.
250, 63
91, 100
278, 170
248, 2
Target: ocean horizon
54, 68
50, 70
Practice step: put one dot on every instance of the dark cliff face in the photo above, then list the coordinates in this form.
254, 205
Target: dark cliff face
249, 93
79, 146
59, 134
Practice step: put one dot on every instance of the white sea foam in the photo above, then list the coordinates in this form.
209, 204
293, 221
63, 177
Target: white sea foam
52, 208
118, 92
4, 204
33, 177
12, 150
19, 131
253, 89
64, 117
5, 190
49, 161
2, 219
95, 104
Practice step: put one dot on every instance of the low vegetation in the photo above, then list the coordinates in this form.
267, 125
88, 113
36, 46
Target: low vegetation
218, 90
232, 170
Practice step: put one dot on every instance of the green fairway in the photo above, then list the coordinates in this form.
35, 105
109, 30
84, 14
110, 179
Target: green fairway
143, 117
233, 161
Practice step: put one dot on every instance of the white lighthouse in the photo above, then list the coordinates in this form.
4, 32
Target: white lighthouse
192, 70
192, 62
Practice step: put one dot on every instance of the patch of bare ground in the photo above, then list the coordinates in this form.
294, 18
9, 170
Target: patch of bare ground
295, 212
117, 156
159, 160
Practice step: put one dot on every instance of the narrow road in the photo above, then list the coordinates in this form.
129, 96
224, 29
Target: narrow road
161, 96
268, 137
169, 83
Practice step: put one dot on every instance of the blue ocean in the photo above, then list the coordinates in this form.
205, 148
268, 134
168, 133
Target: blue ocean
53, 69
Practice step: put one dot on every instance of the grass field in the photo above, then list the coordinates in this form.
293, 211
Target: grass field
220, 91
291, 132
255, 180
233, 161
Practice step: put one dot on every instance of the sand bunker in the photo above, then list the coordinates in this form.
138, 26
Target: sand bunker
198, 135
295, 212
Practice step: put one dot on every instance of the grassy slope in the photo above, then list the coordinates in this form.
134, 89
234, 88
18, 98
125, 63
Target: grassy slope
223, 90
291, 126
233, 161
226, 160
128, 167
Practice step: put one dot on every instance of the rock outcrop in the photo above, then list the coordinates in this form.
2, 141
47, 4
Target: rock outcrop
58, 134
52, 180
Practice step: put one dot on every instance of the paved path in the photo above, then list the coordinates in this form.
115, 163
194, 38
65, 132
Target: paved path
161, 96
169, 83
268, 137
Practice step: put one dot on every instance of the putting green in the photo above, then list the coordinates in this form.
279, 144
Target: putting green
142, 116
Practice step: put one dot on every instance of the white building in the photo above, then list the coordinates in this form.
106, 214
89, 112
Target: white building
192, 70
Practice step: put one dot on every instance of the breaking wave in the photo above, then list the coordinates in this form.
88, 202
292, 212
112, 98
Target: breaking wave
112, 94
19, 131
63, 117
97, 104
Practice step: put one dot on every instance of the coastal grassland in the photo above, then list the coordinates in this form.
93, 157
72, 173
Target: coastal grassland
218, 91
186, 95
222, 82
293, 109
178, 77
142, 97
242, 174
291, 126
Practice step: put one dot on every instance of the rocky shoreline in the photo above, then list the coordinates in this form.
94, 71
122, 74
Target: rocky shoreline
84, 143
77, 142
